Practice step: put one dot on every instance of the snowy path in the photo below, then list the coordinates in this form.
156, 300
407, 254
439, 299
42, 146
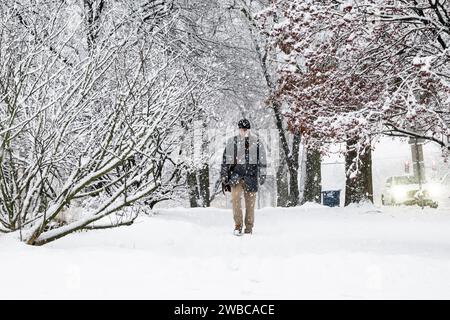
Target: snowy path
301, 253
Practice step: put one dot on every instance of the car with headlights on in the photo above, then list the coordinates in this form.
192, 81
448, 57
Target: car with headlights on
407, 190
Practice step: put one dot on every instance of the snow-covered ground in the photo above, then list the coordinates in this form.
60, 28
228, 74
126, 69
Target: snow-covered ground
309, 252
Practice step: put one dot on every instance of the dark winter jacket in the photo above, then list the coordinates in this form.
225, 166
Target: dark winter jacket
246, 165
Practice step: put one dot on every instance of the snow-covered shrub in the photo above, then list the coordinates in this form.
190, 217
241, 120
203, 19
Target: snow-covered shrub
87, 94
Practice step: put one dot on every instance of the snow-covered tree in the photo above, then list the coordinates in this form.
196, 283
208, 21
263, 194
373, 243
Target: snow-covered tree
90, 96
355, 69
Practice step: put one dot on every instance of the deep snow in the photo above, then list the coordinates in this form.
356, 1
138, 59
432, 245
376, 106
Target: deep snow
308, 252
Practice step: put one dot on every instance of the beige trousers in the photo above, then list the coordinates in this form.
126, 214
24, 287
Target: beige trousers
250, 199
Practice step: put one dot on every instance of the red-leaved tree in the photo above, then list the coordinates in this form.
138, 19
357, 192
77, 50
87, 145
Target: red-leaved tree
353, 70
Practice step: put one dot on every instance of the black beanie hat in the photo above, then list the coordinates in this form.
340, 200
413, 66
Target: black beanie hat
244, 124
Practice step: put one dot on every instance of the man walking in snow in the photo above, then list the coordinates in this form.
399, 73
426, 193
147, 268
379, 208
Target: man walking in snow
243, 169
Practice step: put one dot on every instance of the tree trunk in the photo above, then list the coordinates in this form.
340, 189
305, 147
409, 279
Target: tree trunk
302, 169
204, 186
294, 193
282, 186
198, 177
204, 182
358, 184
313, 178
289, 195
193, 190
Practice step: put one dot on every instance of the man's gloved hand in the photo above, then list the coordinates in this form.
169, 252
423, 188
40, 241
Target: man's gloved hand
225, 184
262, 179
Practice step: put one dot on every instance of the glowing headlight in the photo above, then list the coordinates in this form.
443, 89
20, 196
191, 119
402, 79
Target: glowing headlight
434, 189
399, 193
